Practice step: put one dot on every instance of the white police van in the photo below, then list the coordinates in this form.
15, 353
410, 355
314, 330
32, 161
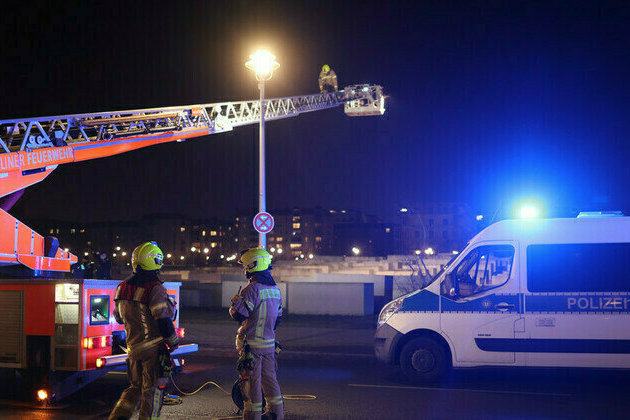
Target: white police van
528, 292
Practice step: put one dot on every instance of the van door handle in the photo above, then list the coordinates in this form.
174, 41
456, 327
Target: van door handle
504, 306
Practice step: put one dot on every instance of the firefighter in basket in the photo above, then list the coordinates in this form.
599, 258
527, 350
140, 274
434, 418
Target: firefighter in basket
144, 307
258, 309
327, 80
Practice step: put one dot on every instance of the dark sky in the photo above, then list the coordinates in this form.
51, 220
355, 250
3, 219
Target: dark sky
489, 102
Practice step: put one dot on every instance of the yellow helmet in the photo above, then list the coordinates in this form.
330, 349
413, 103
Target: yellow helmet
255, 259
326, 68
148, 256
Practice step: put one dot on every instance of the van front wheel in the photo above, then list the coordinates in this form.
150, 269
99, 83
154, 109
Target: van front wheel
423, 360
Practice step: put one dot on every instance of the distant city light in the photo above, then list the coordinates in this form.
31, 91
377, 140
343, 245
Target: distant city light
123, 253
455, 252
418, 252
222, 256
193, 249
169, 255
479, 217
272, 249
404, 210
429, 251
181, 258
66, 249
356, 251
86, 254
114, 255
206, 250
310, 256
117, 248
279, 250
301, 255
529, 212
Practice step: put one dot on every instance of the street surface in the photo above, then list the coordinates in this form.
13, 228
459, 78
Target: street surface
330, 358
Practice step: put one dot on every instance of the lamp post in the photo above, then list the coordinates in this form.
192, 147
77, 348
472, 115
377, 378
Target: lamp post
263, 63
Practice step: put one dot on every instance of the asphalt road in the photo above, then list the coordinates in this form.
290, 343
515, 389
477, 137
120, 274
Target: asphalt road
330, 358
360, 388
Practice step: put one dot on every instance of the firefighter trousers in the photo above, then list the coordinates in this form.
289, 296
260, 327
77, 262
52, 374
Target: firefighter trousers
146, 386
262, 379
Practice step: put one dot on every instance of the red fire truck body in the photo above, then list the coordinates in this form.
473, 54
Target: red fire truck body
63, 331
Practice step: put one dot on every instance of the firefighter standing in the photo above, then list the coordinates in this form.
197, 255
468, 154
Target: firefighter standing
327, 80
258, 308
143, 305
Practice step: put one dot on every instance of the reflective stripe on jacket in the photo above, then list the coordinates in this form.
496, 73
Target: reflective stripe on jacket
261, 305
138, 307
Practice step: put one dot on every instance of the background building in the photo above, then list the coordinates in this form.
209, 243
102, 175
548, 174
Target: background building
298, 233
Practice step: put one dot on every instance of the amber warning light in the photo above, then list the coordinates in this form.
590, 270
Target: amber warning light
97, 342
42, 394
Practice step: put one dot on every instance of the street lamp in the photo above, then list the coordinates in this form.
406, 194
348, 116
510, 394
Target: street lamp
263, 63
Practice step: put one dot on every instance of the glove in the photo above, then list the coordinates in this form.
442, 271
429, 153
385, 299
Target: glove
172, 342
165, 363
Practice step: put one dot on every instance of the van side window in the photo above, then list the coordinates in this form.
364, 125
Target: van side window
484, 268
578, 267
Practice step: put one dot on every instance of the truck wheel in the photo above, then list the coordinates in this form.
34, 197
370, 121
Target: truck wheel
423, 360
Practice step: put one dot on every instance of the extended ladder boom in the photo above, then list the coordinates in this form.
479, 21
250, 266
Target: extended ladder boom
31, 148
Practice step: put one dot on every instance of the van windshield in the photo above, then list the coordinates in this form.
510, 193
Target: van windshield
439, 273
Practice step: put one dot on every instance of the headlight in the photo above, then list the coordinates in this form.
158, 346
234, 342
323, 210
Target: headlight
389, 310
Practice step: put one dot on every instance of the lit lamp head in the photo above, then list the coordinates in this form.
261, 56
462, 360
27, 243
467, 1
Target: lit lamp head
263, 63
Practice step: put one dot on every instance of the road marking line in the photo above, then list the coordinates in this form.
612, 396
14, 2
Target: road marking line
460, 390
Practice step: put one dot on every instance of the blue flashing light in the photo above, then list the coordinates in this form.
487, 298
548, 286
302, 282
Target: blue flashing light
529, 212
528, 208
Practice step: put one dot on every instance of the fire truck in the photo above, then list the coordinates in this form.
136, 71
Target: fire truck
60, 333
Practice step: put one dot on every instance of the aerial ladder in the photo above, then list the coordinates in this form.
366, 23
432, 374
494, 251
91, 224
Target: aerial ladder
31, 148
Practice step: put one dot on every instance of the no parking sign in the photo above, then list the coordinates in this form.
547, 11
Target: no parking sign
263, 222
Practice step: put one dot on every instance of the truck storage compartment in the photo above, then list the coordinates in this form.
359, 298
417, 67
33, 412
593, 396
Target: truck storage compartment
11, 328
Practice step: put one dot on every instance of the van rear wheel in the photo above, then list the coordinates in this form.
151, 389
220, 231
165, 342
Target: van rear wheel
423, 360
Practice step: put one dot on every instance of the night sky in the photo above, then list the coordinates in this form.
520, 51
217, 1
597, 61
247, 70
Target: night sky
489, 102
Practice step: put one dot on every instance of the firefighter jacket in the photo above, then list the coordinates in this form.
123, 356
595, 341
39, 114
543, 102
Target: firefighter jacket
260, 307
327, 79
144, 307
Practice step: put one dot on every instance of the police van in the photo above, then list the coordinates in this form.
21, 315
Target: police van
525, 292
